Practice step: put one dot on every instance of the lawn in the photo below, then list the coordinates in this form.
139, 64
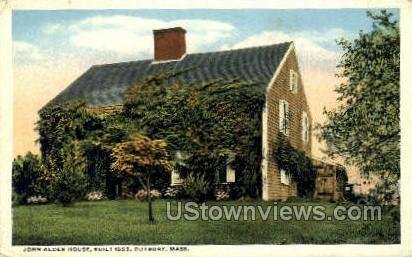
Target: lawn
125, 222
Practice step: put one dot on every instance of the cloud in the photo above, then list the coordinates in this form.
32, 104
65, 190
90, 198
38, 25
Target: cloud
309, 46
25, 52
132, 36
52, 28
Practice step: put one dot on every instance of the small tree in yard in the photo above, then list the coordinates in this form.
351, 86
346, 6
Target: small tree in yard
141, 157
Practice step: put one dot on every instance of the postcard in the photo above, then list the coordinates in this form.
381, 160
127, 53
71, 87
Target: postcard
193, 128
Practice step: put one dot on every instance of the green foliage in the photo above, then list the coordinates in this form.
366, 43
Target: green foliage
211, 121
365, 129
59, 125
70, 183
196, 187
27, 174
386, 190
297, 165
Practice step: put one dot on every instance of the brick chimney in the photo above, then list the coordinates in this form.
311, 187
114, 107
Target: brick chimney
169, 44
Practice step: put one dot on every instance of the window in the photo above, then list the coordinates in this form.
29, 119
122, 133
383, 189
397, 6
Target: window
293, 81
305, 127
230, 174
225, 174
284, 117
175, 178
284, 178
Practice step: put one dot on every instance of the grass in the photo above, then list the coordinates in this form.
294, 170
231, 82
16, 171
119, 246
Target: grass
125, 222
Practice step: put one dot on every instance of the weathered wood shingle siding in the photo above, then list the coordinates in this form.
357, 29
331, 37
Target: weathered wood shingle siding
297, 104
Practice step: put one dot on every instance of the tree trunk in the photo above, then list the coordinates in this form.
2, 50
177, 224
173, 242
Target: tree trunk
149, 199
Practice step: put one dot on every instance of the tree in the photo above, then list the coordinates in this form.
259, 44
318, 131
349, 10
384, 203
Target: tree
365, 129
141, 157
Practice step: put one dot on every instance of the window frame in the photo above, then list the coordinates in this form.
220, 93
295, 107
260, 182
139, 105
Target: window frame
305, 127
293, 81
284, 119
284, 178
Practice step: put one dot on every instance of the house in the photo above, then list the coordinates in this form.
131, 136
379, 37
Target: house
275, 67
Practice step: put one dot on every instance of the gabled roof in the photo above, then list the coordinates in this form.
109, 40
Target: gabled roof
104, 85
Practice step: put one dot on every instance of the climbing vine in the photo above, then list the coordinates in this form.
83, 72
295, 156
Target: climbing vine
296, 164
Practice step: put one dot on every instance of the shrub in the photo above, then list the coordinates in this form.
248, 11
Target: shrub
95, 196
196, 187
142, 194
173, 192
26, 175
71, 182
221, 194
36, 199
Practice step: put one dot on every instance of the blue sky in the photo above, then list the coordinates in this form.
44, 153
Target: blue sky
31, 26
53, 48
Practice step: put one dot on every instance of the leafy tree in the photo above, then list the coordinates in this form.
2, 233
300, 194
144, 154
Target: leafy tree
365, 129
141, 157
27, 172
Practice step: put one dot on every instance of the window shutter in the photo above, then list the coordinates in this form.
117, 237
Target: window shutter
281, 116
284, 117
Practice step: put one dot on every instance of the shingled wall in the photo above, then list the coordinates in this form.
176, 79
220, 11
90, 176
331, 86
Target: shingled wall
297, 103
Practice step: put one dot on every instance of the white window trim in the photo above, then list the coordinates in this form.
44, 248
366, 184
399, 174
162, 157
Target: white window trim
284, 117
284, 178
305, 127
230, 174
175, 178
293, 81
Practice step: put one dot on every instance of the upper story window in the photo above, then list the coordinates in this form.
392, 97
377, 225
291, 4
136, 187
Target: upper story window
305, 127
284, 117
293, 81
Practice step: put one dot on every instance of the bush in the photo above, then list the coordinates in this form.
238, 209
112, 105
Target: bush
173, 192
142, 194
36, 199
221, 194
196, 187
95, 196
71, 182
27, 172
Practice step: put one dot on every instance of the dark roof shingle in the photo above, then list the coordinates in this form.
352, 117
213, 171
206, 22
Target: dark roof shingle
104, 85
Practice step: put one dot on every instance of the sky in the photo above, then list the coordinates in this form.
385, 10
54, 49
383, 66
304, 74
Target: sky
52, 48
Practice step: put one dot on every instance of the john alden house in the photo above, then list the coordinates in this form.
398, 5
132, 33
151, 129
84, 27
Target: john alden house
235, 123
